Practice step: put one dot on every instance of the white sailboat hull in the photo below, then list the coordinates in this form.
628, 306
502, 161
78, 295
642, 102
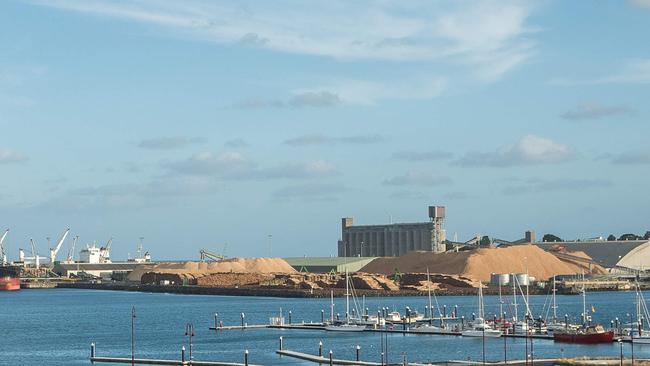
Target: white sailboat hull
345, 328
481, 333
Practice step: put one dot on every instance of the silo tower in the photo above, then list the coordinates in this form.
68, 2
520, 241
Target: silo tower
438, 237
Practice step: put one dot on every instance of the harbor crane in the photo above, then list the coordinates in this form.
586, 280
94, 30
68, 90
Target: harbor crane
54, 251
3, 256
70, 258
105, 252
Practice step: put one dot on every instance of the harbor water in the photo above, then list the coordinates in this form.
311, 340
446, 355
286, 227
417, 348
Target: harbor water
56, 326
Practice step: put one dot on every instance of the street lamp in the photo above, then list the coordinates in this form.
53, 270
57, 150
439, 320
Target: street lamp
189, 331
620, 342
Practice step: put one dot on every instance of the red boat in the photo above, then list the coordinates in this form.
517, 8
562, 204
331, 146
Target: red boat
9, 278
591, 334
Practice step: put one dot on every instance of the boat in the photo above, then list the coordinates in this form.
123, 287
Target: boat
480, 328
587, 333
590, 334
9, 274
9, 277
347, 326
638, 335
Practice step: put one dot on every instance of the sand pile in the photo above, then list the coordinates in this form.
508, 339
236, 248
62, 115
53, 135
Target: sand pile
231, 265
478, 264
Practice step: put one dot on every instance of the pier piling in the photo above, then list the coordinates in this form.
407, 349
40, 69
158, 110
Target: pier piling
331, 359
92, 351
281, 345
320, 349
246, 358
358, 352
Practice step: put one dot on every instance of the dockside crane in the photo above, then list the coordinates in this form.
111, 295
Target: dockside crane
105, 252
3, 256
70, 258
37, 262
55, 251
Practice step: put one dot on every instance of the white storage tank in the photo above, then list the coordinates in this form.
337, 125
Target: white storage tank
499, 279
522, 279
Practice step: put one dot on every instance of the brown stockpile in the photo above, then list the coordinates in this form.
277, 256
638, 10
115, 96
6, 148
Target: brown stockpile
234, 279
418, 282
230, 265
478, 264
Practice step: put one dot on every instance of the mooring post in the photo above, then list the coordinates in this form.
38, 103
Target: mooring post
331, 359
243, 316
92, 352
455, 311
444, 311
216, 321
246, 358
322, 316
320, 348
462, 322
358, 352
281, 345
183, 354
289, 316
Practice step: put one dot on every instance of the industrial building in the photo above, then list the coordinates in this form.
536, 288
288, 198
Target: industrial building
393, 240
616, 255
328, 264
99, 270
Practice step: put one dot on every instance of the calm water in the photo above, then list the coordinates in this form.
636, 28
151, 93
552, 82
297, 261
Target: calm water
56, 327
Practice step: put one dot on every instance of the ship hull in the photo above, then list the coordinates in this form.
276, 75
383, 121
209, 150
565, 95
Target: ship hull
606, 337
9, 284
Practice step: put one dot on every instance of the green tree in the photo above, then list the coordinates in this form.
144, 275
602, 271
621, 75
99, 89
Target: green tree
628, 237
551, 238
611, 237
647, 235
485, 241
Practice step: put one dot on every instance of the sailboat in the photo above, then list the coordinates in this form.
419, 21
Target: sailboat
555, 325
480, 328
346, 326
587, 333
430, 328
642, 336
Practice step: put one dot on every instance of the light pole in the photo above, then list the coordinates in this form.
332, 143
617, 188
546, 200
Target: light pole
189, 331
133, 336
620, 342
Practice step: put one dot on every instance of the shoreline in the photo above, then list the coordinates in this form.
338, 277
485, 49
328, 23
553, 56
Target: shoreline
283, 293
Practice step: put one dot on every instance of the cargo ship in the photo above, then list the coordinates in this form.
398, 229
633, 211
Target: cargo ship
9, 278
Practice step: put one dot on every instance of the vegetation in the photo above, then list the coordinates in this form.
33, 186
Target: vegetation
611, 237
551, 238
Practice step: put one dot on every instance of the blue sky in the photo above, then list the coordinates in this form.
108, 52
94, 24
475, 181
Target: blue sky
199, 123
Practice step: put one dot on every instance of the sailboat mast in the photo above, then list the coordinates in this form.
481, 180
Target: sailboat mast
554, 303
584, 300
332, 306
347, 296
514, 295
429, 293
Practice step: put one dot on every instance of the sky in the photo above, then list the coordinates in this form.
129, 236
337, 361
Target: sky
252, 127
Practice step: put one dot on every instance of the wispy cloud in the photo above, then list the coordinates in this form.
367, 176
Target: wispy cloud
8, 156
635, 71
169, 143
305, 99
631, 158
318, 139
236, 143
235, 166
417, 179
595, 111
422, 155
310, 192
536, 185
529, 150
492, 37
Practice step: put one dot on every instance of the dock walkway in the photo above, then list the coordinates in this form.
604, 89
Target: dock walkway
150, 361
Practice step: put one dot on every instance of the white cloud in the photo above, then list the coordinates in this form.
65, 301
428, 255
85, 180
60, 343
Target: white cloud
635, 71
490, 36
417, 179
169, 143
529, 150
235, 166
10, 156
318, 139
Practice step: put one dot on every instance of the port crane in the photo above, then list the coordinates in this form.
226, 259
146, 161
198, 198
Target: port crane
70, 258
105, 252
3, 256
54, 251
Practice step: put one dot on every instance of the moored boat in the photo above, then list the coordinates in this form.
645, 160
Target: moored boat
590, 334
9, 278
